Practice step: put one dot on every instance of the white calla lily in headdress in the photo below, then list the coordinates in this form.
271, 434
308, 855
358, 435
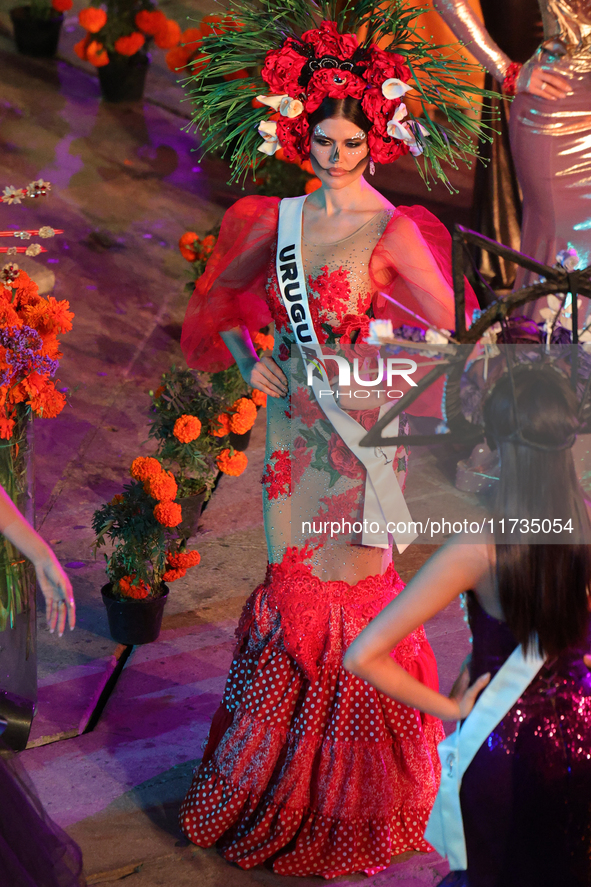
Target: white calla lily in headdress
406, 131
286, 106
268, 130
393, 88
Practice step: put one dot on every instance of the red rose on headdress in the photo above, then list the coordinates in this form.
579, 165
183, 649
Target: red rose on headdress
294, 137
383, 148
282, 69
334, 83
377, 107
384, 65
326, 40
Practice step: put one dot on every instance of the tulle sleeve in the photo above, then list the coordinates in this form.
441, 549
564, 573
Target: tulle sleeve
231, 291
412, 263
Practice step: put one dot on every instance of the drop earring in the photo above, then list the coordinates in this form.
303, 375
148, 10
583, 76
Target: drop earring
372, 167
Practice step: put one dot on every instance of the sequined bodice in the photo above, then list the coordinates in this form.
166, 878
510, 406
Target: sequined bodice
338, 280
338, 273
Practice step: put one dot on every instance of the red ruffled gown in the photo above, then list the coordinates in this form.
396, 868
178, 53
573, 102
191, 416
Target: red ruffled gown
306, 765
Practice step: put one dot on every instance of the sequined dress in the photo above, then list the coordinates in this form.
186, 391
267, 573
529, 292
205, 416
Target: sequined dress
306, 765
526, 796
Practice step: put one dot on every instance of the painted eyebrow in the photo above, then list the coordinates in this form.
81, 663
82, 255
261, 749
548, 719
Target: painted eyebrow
318, 131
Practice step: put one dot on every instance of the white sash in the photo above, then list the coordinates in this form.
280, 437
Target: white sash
383, 501
445, 829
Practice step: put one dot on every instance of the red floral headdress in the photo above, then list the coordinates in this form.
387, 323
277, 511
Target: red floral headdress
324, 63
241, 62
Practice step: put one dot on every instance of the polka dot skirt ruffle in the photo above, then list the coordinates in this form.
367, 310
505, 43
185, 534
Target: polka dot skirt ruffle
322, 767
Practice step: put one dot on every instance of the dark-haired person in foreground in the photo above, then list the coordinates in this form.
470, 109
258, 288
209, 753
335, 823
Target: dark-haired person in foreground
526, 795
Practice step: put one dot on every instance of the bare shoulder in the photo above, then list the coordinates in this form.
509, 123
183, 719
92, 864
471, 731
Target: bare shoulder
474, 556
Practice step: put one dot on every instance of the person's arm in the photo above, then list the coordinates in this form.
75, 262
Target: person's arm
459, 16
467, 27
53, 582
453, 569
260, 373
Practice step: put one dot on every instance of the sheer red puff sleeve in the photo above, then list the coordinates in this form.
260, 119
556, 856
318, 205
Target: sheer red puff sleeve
231, 291
412, 263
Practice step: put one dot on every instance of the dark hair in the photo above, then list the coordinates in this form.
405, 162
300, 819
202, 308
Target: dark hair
348, 108
543, 586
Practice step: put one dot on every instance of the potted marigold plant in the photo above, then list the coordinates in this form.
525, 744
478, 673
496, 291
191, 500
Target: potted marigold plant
182, 413
37, 26
118, 36
29, 358
148, 551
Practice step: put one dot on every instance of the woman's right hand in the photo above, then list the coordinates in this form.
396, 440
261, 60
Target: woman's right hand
267, 376
465, 698
541, 81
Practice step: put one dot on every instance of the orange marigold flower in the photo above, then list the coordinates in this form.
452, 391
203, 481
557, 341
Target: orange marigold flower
162, 486
213, 24
145, 467
207, 244
51, 346
173, 575
117, 499
61, 5
96, 54
26, 291
312, 185
92, 19
182, 560
49, 315
230, 464
132, 589
187, 241
168, 36
131, 44
81, 47
178, 58
169, 514
47, 402
222, 425
159, 392
6, 428
191, 38
259, 398
264, 341
187, 428
245, 413
198, 62
150, 21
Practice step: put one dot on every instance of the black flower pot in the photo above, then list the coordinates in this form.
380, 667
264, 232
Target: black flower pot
35, 36
124, 78
132, 621
191, 507
240, 442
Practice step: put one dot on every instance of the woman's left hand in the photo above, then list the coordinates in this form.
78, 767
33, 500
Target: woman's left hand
541, 80
466, 698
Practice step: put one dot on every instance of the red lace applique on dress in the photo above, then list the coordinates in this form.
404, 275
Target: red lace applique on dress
277, 478
338, 507
330, 290
302, 456
352, 325
305, 407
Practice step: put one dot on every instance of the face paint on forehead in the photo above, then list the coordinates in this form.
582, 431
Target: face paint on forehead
318, 131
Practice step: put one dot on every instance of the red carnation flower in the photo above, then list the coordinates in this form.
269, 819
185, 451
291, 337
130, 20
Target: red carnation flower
282, 69
294, 137
334, 83
326, 40
385, 65
384, 149
377, 107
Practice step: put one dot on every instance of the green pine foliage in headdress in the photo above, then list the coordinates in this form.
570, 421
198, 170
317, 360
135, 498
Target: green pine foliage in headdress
227, 122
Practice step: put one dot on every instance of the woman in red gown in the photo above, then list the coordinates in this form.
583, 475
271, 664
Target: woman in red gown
306, 765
